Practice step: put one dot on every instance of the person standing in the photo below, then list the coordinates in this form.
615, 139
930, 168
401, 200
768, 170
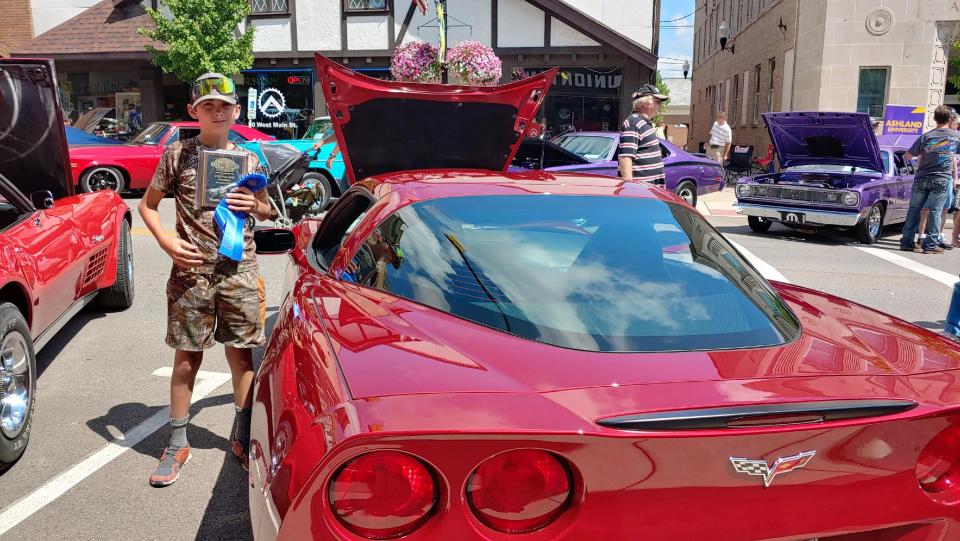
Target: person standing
639, 153
936, 150
134, 119
209, 298
721, 138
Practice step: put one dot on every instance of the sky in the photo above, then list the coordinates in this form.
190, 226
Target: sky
675, 43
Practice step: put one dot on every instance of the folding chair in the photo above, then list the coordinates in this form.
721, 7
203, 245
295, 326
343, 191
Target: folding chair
739, 164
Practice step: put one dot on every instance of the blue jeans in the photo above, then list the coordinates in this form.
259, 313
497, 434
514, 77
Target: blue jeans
926, 194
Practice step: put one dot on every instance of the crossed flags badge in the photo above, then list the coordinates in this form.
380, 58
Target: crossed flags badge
760, 468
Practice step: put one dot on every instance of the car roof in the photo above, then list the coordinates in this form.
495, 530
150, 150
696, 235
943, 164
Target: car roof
421, 185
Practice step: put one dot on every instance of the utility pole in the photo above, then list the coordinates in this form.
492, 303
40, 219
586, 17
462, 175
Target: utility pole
442, 25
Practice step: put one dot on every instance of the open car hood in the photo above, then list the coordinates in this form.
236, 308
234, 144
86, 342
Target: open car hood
815, 138
33, 146
387, 126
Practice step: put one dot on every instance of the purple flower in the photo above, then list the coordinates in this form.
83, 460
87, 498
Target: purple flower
416, 61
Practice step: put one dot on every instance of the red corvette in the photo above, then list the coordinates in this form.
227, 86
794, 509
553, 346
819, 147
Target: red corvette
131, 166
58, 251
469, 354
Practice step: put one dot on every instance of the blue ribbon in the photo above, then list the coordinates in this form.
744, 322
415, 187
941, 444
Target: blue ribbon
231, 222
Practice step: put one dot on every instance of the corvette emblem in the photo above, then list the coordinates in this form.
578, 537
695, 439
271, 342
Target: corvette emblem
782, 465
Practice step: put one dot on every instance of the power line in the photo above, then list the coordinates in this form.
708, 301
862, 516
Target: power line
679, 18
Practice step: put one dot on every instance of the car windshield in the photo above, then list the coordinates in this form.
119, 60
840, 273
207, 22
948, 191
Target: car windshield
318, 128
610, 274
151, 135
590, 147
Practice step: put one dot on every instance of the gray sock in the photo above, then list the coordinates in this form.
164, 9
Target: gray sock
178, 433
241, 425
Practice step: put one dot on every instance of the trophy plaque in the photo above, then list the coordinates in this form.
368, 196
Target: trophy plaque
217, 173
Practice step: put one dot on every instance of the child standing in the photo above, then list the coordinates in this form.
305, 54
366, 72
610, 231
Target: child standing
209, 298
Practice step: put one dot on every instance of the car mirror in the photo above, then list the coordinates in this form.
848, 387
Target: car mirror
274, 241
42, 199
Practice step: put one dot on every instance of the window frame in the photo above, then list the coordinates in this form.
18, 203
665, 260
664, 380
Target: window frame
345, 9
756, 95
886, 88
270, 13
734, 100
772, 66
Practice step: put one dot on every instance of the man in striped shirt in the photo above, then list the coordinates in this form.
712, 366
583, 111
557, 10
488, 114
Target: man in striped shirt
639, 152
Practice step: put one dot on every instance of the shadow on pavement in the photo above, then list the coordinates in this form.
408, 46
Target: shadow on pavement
64, 336
227, 516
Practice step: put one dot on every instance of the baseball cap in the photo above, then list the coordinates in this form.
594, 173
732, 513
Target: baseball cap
213, 86
650, 90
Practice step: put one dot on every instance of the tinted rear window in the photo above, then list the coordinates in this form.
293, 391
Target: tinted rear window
589, 273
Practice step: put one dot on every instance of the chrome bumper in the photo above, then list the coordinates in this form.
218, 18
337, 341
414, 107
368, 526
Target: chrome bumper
811, 216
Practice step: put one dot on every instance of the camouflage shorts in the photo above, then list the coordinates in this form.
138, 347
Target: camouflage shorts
225, 307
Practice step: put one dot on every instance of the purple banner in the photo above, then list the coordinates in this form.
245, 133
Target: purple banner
903, 120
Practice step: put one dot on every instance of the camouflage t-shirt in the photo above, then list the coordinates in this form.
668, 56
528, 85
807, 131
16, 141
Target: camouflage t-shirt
177, 174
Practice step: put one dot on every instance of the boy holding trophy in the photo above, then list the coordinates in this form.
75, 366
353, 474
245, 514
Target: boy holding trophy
210, 298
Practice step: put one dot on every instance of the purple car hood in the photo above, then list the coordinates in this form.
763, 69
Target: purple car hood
824, 138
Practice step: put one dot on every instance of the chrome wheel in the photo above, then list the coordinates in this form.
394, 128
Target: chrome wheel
874, 221
16, 391
687, 194
104, 178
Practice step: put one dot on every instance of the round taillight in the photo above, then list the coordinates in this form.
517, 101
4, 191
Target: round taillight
520, 491
938, 467
383, 494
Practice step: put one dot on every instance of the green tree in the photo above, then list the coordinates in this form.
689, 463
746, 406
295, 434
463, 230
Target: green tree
201, 36
664, 89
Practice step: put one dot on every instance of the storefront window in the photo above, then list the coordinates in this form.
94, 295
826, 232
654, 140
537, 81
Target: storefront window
278, 102
582, 99
872, 91
108, 101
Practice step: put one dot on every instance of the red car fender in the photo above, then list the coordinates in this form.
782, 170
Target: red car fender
83, 165
15, 291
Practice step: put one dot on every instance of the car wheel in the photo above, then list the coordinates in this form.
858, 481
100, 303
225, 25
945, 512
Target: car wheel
18, 380
120, 295
688, 191
870, 228
322, 184
102, 178
759, 224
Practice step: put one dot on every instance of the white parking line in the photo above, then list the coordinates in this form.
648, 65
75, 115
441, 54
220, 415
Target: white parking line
944, 278
766, 269
53, 489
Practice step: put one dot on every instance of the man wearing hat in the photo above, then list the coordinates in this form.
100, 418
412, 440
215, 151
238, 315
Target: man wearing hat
639, 152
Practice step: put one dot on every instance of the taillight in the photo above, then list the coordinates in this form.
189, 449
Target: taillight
938, 467
383, 494
520, 491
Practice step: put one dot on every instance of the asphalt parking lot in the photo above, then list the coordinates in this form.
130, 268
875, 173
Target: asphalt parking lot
101, 416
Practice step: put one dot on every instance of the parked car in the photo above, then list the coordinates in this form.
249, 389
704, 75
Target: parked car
131, 166
468, 353
60, 250
687, 175
833, 173
326, 180
77, 136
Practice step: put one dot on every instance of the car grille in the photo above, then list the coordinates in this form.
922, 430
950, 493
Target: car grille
95, 265
791, 193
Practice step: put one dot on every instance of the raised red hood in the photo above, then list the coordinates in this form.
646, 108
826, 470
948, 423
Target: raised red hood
387, 126
390, 346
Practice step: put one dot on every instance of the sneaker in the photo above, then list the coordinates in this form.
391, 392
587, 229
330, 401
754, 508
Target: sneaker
168, 470
946, 246
934, 250
915, 249
241, 452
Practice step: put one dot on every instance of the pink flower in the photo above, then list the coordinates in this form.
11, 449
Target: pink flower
417, 62
475, 63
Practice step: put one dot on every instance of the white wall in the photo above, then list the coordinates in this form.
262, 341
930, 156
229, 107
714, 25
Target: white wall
271, 34
632, 18
318, 26
50, 13
367, 33
472, 12
519, 24
562, 35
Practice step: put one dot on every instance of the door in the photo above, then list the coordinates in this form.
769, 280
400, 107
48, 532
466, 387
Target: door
51, 254
903, 172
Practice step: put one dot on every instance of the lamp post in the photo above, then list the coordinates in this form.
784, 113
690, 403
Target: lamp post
686, 68
724, 33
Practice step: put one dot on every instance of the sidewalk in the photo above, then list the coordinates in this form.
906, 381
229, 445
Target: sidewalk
718, 203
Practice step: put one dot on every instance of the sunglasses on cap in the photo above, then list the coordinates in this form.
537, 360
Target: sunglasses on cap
223, 85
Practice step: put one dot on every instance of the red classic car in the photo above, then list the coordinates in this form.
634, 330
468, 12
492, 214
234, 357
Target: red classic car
58, 251
471, 354
131, 166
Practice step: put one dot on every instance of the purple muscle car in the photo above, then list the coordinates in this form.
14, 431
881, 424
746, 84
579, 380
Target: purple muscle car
833, 172
687, 175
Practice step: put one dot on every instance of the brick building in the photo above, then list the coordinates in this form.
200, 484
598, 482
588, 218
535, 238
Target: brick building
747, 77
819, 55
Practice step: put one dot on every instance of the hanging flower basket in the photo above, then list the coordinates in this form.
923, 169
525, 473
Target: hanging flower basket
474, 63
417, 62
